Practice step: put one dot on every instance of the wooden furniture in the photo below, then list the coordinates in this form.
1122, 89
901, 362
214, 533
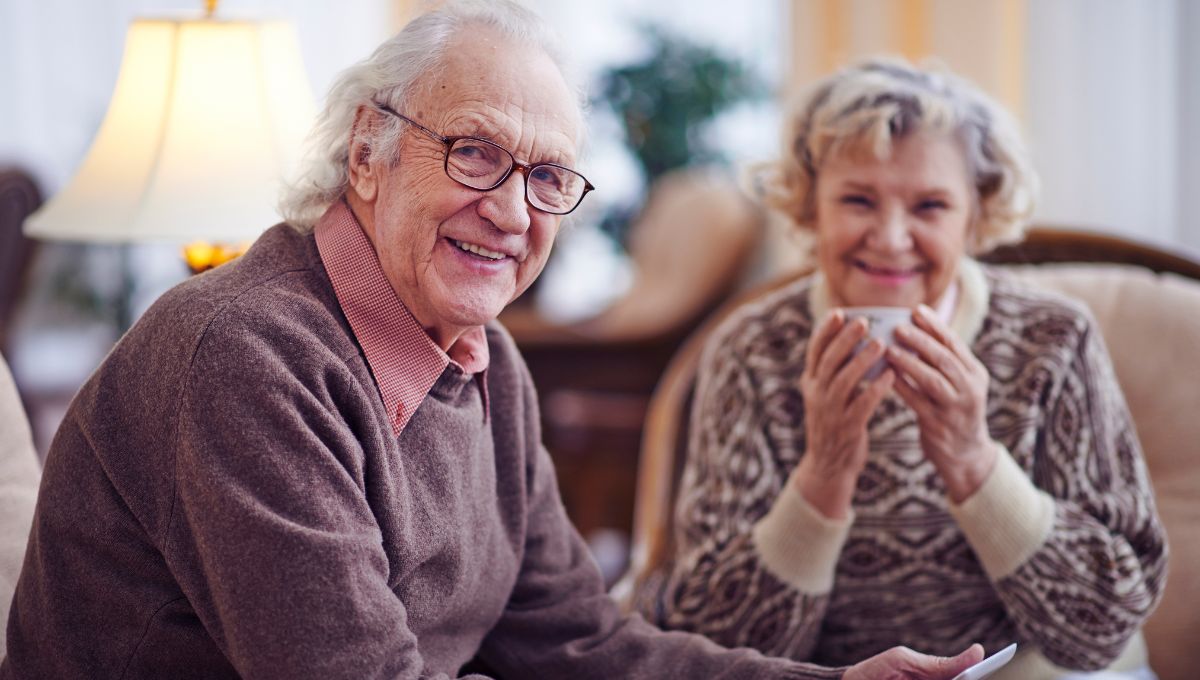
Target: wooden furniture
594, 378
664, 452
19, 196
1043, 245
1147, 304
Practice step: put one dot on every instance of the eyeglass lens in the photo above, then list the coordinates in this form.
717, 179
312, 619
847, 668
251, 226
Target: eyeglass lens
481, 165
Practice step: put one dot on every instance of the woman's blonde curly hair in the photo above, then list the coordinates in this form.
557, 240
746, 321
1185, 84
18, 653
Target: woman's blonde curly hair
863, 108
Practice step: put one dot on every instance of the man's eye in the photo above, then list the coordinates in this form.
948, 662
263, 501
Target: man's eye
546, 176
932, 205
470, 151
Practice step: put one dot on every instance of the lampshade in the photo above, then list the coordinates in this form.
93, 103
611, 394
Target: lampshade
207, 117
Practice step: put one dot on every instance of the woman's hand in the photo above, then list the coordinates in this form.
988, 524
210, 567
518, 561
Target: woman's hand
837, 409
946, 385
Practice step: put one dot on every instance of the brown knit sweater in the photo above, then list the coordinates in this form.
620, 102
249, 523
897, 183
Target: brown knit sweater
226, 497
1060, 550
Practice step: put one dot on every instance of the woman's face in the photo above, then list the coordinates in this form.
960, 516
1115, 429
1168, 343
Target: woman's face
891, 232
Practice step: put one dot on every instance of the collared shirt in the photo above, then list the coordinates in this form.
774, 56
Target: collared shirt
405, 361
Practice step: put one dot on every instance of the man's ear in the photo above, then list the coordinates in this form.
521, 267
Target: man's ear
363, 179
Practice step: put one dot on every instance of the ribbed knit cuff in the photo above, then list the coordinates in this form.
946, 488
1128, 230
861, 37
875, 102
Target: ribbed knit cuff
798, 544
1007, 519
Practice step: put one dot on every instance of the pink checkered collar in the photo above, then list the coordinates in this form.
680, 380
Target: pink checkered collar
405, 361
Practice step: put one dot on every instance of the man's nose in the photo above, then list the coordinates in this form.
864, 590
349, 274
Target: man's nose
505, 206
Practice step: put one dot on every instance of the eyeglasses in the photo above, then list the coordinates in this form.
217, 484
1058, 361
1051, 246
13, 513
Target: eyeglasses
484, 165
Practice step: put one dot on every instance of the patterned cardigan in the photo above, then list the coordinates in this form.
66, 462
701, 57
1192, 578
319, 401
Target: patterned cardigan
1061, 548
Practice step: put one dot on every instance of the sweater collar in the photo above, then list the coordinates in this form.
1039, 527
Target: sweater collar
404, 360
966, 320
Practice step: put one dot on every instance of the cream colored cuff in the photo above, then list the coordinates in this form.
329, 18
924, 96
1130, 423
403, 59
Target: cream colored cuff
1007, 519
798, 544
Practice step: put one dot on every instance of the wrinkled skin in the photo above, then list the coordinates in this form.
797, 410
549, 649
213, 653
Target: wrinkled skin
902, 663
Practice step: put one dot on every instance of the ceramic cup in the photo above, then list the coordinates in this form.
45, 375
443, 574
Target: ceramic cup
882, 322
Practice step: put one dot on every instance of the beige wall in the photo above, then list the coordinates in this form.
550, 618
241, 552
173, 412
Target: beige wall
401, 11
1106, 91
982, 39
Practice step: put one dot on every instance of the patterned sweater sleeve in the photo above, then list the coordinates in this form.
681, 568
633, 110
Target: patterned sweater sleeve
1074, 545
754, 562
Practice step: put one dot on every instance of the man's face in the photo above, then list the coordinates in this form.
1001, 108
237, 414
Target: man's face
456, 256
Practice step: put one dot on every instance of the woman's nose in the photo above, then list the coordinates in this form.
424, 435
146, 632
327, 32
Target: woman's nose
891, 232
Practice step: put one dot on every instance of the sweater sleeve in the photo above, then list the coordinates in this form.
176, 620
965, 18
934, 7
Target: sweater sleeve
272, 539
560, 622
755, 563
1077, 553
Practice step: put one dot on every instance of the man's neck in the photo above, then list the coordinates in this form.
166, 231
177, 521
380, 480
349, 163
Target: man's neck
442, 336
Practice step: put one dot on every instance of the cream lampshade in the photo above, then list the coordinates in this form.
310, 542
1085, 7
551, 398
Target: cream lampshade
207, 118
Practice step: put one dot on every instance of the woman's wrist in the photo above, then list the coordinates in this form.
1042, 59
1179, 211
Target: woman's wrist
966, 474
829, 492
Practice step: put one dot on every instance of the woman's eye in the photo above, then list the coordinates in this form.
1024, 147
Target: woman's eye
856, 200
932, 205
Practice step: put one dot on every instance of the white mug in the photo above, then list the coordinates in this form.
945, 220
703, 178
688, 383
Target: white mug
881, 324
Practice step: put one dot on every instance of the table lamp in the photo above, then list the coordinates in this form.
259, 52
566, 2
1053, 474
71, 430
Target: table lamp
206, 119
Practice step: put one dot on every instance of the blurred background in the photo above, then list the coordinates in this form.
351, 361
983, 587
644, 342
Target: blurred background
683, 95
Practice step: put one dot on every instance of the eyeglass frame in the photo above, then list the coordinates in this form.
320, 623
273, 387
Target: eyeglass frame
525, 168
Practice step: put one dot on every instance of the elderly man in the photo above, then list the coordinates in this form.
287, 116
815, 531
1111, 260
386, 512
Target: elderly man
323, 460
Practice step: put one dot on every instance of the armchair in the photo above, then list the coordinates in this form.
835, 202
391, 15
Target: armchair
19, 475
19, 196
1147, 303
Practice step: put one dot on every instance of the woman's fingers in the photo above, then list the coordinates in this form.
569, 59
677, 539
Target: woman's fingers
820, 339
913, 396
839, 349
868, 399
930, 351
930, 381
844, 382
926, 320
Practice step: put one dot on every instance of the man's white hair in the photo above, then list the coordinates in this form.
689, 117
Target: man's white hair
390, 75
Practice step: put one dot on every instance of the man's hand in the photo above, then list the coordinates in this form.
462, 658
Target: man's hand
902, 663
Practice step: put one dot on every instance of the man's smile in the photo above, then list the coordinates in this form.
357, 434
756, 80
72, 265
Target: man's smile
483, 252
479, 250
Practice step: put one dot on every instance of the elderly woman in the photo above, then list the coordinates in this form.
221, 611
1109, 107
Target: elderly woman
987, 484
